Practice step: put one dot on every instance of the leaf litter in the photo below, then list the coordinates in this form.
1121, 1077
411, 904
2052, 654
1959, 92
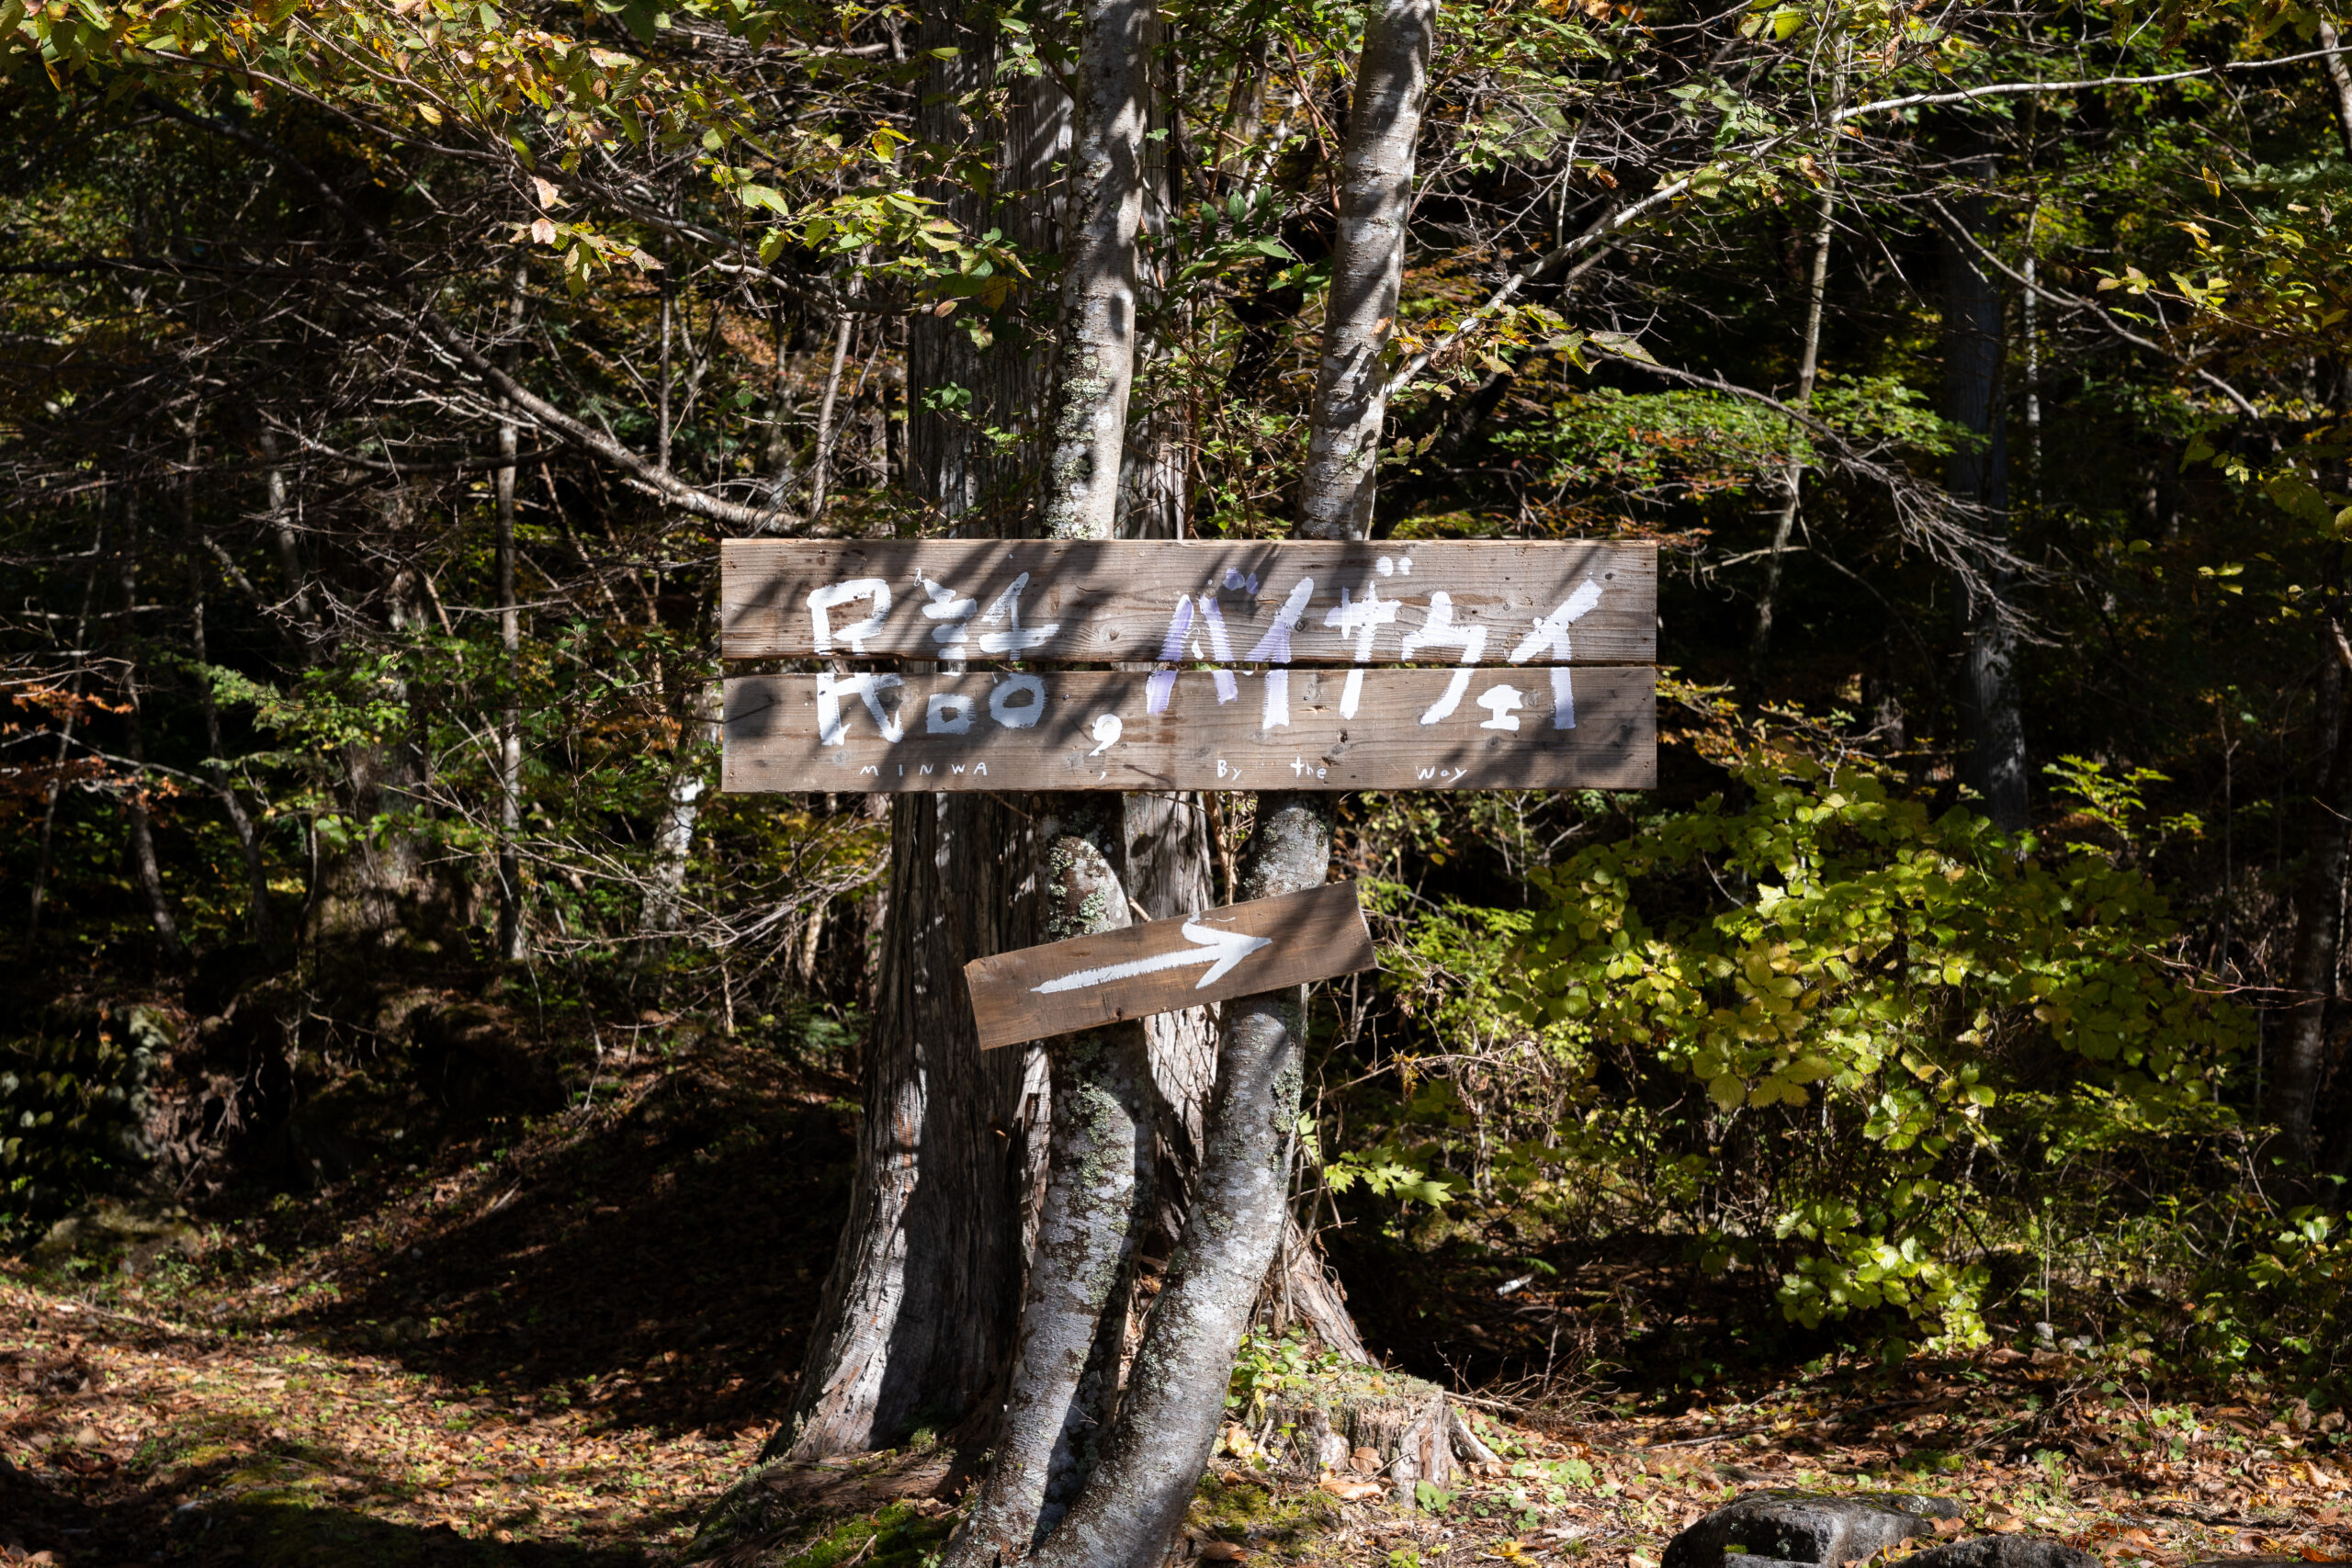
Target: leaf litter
552, 1348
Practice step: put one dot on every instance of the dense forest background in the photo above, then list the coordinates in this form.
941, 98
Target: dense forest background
381, 378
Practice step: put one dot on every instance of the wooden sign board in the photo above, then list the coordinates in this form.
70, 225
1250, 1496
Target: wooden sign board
1046, 601
1468, 728
1166, 965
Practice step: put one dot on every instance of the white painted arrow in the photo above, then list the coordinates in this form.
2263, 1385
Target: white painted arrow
1220, 950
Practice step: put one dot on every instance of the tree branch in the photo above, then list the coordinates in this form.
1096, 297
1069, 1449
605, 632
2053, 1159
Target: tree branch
2096, 311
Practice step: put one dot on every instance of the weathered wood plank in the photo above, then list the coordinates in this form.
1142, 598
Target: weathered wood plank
1488, 727
1138, 600
1165, 965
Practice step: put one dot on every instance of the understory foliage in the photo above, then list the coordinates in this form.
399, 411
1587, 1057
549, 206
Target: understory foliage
1923, 1079
1892, 1016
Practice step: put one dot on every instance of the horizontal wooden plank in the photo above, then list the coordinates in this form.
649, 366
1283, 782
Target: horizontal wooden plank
1470, 729
1165, 965
1135, 600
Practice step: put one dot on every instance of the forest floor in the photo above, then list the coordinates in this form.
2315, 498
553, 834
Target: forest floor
542, 1347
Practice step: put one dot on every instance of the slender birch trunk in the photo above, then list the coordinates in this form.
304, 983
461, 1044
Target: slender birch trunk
1169, 1414
1759, 651
512, 937
55, 788
820, 465
143, 863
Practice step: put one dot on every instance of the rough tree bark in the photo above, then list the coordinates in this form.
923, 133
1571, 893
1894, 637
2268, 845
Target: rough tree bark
1086, 433
922, 1306
1098, 1187
1978, 475
1168, 1414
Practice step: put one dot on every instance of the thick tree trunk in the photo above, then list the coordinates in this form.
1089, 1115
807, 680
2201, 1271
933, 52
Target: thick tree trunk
1086, 433
1169, 878
2301, 1067
922, 1306
1978, 475
919, 1307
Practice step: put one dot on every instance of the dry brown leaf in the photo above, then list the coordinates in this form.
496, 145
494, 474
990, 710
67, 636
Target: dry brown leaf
1223, 1552
1351, 1491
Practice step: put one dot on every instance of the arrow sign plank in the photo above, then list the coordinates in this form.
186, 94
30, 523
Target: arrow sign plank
1487, 726
1164, 965
1046, 602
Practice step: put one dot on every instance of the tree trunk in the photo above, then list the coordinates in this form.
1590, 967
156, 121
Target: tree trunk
922, 1302
216, 765
2339, 80
673, 844
1169, 1415
511, 936
1073, 1321
1367, 269
143, 863
919, 1307
1759, 651
1978, 476
2300, 1068
1086, 432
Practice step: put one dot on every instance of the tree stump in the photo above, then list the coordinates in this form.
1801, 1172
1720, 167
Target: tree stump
1363, 1423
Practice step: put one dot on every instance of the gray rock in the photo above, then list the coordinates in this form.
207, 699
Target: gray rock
1801, 1526
2002, 1551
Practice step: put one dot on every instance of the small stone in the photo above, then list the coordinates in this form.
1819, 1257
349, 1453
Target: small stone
1798, 1526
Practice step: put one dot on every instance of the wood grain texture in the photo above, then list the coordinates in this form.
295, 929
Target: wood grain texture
1095, 729
1307, 936
1132, 600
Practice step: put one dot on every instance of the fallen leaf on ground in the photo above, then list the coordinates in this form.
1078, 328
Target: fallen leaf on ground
1350, 1491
